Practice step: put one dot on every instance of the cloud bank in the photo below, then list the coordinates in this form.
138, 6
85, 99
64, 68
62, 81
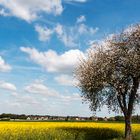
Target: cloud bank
54, 62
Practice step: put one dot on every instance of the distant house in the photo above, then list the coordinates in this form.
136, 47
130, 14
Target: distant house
93, 118
40, 118
57, 118
28, 118
105, 119
5, 119
12, 119
84, 118
62, 118
76, 118
111, 119
46, 118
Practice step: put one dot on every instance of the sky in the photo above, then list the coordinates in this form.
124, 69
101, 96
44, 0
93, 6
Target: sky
41, 42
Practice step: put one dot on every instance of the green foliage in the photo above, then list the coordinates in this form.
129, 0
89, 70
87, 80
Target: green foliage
13, 116
119, 118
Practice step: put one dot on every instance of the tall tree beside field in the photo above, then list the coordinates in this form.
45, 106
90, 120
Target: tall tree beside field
110, 75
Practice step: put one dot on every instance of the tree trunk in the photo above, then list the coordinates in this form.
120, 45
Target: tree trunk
128, 114
128, 131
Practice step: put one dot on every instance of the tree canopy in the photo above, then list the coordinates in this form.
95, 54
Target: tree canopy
110, 74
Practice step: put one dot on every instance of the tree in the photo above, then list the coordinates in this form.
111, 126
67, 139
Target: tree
110, 74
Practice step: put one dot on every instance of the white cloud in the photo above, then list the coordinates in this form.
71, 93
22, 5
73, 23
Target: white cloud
70, 35
80, 19
80, 1
70, 98
3, 13
84, 29
7, 86
40, 88
30, 9
66, 35
30, 100
3, 66
15, 94
44, 33
59, 29
53, 62
93, 30
66, 80
14, 104
68, 40
23, 101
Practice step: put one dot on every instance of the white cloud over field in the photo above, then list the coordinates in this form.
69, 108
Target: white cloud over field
54, 62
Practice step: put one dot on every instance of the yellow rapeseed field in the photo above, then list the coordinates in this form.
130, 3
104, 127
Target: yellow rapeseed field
62, 130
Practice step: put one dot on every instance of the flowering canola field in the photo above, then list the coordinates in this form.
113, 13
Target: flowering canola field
63, 130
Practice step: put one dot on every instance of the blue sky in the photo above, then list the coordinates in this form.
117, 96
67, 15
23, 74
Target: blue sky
40, 44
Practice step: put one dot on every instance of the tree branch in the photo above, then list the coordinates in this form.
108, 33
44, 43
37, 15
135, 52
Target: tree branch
120, 103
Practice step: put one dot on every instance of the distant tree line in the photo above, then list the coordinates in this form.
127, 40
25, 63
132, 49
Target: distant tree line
4, 116
135, 118
13, 116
